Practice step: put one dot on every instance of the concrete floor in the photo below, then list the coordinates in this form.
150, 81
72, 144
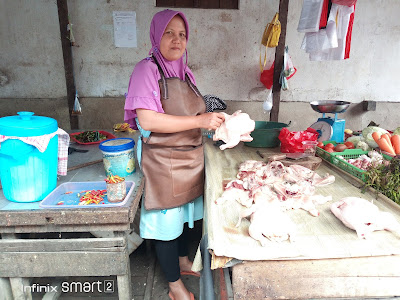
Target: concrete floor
148, 282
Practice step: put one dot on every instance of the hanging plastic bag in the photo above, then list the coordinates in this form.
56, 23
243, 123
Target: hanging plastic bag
292, 141
270, 37
267, 104
267, 76
288, 70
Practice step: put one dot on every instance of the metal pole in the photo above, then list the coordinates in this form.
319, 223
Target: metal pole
206, 279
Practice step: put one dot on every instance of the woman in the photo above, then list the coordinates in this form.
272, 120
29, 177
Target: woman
165, 105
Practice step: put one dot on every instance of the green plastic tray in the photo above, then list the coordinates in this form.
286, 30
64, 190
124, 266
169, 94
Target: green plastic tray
324, 154
346, 154
345, 166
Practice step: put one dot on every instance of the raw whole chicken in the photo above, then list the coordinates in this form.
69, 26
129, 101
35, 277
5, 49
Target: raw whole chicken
267, 221
234, 129
363, 216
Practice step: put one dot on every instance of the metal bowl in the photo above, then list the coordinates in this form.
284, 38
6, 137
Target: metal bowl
329, 106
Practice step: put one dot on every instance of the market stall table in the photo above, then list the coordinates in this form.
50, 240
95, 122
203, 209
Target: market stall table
22, 258
326, 260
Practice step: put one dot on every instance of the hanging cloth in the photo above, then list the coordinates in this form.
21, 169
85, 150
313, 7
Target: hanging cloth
348, 36
310, 16
324, 14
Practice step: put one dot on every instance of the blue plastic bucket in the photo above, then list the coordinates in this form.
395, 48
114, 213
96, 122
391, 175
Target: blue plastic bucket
118, 156
26, 174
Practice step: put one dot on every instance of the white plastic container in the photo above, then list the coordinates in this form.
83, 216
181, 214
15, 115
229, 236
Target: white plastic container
118, 156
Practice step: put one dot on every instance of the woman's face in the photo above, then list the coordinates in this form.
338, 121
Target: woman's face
173, 41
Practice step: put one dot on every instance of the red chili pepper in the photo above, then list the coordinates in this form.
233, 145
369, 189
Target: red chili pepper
93, 196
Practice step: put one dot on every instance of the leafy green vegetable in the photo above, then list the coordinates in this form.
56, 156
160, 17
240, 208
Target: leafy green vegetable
367, 134
397, 131
90, 136
385, 179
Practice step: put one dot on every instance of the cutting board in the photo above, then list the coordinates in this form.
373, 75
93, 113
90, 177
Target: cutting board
311, 162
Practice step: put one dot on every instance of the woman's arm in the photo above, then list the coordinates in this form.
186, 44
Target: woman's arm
164, 123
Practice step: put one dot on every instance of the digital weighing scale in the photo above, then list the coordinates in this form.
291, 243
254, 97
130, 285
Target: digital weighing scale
328, 128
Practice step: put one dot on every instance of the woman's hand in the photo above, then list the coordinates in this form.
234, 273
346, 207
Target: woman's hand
211, 120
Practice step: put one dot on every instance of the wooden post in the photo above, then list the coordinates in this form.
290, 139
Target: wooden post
67, 55
280, 49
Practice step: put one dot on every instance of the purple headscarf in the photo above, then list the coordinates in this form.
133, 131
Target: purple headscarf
176, 68
143, 89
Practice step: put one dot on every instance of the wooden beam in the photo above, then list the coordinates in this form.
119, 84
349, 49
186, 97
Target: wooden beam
62, 7
280, 49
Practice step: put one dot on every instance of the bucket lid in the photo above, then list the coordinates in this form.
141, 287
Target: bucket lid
118, 144
26, 124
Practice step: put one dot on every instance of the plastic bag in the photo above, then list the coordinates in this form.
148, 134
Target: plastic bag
272, 33
270, 37
292, 141
267, 104
267, 77
288, 70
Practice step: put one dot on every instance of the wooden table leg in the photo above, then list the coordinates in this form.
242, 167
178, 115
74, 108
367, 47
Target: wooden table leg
20, 287
125, 281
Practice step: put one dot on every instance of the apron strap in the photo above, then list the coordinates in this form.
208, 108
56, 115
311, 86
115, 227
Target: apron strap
192, 86
164, 82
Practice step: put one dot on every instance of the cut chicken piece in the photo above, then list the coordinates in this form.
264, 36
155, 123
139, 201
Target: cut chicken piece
236, 128
251, 165
322, 181
363, 216
234, 190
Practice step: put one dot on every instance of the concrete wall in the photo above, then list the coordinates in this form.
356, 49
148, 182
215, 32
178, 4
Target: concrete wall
224, 48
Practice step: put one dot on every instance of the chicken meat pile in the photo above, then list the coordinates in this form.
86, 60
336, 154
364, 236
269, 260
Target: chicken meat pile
235, 129
266, 191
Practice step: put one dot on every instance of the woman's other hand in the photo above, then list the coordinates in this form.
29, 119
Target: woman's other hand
211, 120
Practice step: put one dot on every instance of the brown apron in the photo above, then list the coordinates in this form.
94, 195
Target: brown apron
173, 163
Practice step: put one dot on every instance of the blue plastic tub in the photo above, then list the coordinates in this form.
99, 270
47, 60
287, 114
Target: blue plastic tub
26, 174
67, 195
118, 156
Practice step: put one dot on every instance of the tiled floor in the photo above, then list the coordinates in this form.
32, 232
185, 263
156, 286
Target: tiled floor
148, 282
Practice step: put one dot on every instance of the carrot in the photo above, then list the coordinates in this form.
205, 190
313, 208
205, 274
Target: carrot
376, 136
396, 143
387, 137
385, 146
